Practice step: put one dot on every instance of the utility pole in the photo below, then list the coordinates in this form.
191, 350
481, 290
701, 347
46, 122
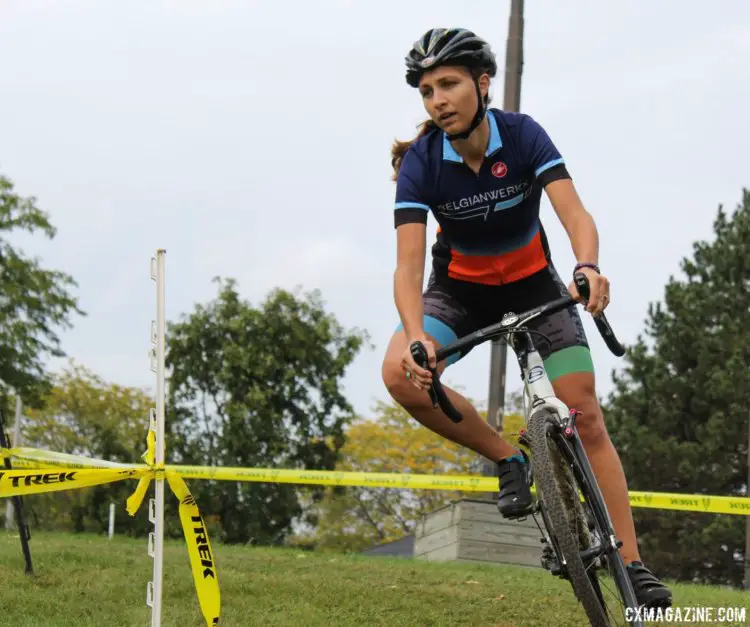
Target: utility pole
511, 102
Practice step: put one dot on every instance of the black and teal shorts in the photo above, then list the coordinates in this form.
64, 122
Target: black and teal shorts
455, 308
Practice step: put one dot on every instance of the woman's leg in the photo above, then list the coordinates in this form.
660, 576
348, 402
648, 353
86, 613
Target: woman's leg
577, 390
473, 432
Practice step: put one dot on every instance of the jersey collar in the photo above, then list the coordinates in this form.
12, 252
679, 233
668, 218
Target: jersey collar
495, 143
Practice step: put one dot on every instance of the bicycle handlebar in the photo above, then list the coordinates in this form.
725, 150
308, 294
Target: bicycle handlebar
437, 392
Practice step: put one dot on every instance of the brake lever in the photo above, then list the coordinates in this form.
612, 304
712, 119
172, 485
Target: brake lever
419, 354
436, 391
583, 287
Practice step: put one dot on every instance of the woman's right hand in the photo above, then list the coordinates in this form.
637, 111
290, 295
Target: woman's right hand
420, 378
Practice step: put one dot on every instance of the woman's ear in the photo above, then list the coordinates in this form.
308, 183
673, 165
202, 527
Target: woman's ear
484, 85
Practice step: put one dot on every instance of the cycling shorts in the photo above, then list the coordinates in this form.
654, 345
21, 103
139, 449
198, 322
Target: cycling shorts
455, 308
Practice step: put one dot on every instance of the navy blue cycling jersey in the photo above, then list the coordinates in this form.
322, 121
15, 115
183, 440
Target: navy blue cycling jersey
488, 223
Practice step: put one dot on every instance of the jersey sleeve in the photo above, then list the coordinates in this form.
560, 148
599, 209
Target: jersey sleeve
411, 200
541, 154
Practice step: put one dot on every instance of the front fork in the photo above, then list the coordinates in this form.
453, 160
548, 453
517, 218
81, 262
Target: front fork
567, 427
551, 559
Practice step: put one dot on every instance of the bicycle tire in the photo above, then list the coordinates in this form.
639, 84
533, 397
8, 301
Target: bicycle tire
584, 476
553, 498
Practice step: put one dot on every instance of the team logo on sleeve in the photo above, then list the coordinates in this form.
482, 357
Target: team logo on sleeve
499, 169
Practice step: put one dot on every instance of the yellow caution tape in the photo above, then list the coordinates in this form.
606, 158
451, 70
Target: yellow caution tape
460, 483
336, 478
38, 480
23, 457
691, 502
150, 455
133, 503
200, 551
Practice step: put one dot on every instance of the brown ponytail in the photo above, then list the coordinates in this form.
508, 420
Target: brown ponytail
399, 148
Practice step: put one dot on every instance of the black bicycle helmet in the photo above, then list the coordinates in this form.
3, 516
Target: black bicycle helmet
452, 46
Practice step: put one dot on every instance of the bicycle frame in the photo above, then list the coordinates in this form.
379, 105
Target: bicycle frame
537, 387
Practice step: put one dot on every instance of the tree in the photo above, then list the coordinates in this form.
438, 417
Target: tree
257, 387
33, 300
679, 411
354, 518
83, 415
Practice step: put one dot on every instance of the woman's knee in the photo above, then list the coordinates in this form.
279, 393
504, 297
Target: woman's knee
399, 387
394, 378
590, 423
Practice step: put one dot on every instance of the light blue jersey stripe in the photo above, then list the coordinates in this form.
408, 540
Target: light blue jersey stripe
507, 204
548, 165
411, 205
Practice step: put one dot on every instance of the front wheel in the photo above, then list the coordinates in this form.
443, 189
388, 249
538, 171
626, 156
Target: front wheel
558, 478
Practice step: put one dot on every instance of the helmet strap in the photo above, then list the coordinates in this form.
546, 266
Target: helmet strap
478, 117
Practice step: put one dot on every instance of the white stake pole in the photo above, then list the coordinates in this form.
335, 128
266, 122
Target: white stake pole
156, 505
111, 520
9, 523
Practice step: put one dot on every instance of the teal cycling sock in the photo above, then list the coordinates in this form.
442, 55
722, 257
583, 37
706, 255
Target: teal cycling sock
635, 564
519, 457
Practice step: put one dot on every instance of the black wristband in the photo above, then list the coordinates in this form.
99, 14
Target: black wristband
593, 266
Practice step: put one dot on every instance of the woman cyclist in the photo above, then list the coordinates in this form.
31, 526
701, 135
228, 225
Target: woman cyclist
481, 173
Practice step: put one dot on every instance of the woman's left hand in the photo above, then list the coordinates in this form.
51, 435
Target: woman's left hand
599, 291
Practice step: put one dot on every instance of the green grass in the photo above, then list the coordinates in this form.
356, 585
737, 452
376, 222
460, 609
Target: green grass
87, 580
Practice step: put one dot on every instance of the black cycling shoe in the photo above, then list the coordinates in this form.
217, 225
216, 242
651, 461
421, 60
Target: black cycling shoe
649, 591
515, 480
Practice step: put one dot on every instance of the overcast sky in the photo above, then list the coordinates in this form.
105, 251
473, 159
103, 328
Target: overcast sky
252, 140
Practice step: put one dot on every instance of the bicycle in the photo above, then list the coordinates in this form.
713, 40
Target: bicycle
577, 532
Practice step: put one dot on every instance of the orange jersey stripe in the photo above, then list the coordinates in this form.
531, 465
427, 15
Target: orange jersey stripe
499, 269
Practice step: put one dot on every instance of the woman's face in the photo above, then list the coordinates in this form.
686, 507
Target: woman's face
450, 97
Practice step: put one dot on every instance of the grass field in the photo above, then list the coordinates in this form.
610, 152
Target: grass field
88, 580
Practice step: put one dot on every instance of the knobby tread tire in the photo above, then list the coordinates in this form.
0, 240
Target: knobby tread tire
554, 500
